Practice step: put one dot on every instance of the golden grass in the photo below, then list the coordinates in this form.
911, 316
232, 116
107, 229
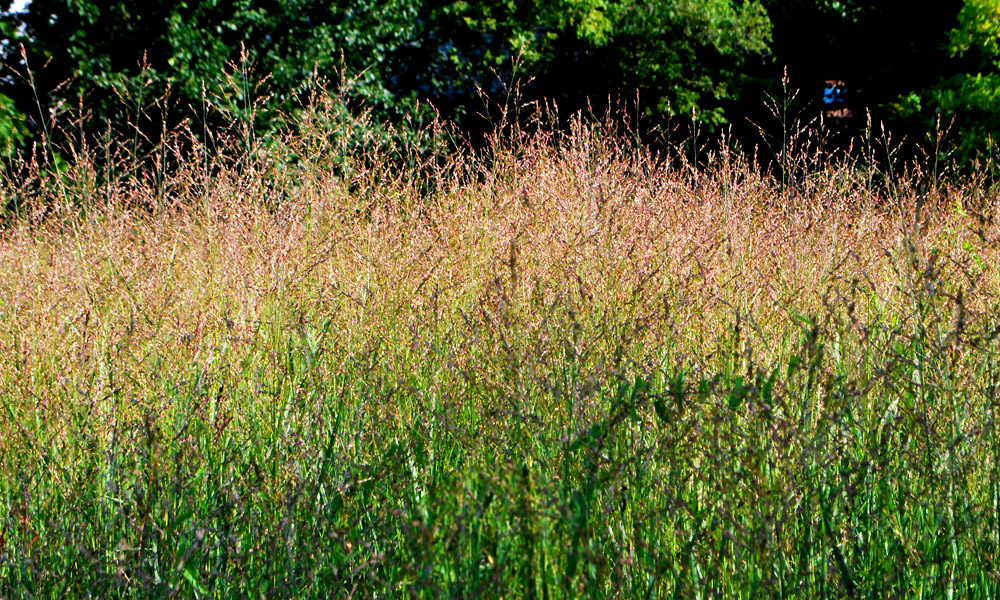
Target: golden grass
478, 278
607, 230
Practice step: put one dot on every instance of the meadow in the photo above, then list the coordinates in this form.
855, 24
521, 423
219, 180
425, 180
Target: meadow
559, 366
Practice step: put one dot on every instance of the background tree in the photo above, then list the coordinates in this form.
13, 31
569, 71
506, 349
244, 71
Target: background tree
114, 58
678, 56
677, 53
966, 98
104, 52
13, 123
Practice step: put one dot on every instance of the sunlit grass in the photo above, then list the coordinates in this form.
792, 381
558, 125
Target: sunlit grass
562, 366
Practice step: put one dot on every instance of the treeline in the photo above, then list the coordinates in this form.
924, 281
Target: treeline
158, 62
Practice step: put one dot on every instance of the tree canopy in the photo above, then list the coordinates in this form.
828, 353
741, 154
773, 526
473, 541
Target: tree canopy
679, 53
712, 57
969, 99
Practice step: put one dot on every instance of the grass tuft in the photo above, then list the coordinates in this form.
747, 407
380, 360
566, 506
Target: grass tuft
560, 366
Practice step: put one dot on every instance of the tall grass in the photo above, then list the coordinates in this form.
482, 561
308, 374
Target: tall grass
563, 366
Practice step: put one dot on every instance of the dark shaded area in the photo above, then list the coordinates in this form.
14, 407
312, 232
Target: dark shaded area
880, 50
160, 62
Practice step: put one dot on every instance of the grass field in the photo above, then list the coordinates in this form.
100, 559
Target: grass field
563, 366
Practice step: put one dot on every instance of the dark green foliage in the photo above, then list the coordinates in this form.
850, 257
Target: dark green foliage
143, 63
105, 53
966, 99
13, 127
388, 55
